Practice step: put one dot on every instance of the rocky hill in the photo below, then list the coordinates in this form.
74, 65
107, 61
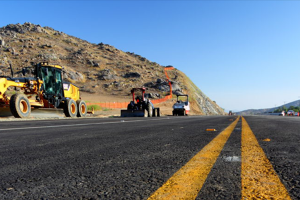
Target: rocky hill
98, 69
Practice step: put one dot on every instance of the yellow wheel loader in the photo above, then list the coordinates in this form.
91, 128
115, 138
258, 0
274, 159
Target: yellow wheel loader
43, 88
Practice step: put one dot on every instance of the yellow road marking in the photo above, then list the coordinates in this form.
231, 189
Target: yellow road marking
187, 182
259, 179
267, 140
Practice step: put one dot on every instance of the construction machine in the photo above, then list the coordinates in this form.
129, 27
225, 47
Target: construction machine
43, 88
140, 106
181, 107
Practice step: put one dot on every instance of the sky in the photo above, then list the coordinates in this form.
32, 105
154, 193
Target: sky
241, 54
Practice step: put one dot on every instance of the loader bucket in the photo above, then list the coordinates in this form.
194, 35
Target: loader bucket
132, 113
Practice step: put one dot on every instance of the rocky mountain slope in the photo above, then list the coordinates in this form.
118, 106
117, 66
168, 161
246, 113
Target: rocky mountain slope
98, 69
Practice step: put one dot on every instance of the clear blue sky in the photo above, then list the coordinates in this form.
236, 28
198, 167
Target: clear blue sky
241, 54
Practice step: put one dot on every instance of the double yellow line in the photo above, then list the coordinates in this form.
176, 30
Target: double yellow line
259, 180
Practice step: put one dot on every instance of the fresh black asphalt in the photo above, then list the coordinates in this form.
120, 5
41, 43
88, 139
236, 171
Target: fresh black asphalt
130, 158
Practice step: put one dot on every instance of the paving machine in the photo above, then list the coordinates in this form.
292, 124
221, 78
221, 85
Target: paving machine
140, 106
181, 107
43, 89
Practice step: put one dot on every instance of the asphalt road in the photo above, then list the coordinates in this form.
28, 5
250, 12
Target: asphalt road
132, 158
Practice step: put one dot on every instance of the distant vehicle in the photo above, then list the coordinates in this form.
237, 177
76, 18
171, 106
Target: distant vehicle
290, 113
282, 113
230, 112
296, 113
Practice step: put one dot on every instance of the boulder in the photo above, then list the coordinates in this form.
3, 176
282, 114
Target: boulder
96, 64
107, 74
116, 83
164, 88
158, 80
48, 56
24, 51
177, 92
132, 75
107, 85
72, 75
152, 95
161, 81
37, 29
23, 28
93, 63
2, 43
175, 86
89, 62
45, 46
150, 85
13, 51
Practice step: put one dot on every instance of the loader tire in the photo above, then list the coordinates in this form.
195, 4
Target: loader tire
70, 108
82, 108
150, 110
20, 106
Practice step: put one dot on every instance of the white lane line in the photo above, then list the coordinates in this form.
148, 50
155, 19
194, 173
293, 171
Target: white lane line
72, 125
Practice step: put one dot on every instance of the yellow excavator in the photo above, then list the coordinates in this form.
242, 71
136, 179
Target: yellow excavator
41, 87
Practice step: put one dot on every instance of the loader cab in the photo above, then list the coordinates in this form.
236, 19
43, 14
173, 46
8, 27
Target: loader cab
52, 86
